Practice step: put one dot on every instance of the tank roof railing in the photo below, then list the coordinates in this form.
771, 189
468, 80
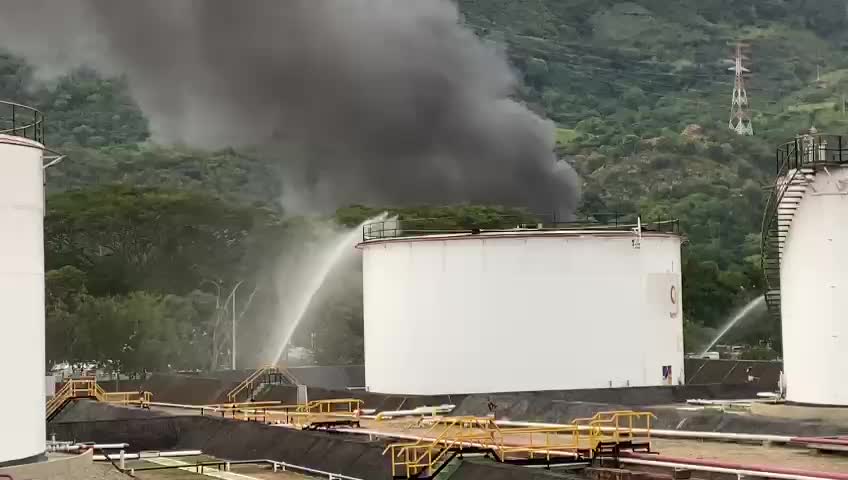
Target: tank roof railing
21, 121
416, 227
811, 150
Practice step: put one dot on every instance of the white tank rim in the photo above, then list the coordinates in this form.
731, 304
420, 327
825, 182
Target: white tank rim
15, 140
519, 234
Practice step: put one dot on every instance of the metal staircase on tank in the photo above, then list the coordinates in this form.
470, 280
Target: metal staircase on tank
798, 162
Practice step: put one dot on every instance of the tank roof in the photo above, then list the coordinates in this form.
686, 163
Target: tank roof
417, 229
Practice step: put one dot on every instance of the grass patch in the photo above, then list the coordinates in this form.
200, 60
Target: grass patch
812, 107
564, 136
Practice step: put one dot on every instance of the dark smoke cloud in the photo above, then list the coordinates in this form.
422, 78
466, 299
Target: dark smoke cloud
384, 101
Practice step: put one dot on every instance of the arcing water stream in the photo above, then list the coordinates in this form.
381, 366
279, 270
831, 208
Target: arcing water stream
336, 252
733, 321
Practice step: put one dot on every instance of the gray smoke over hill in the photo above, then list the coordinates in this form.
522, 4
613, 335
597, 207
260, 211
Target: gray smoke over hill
383, 101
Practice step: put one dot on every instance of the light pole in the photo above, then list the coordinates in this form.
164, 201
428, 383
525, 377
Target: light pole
217, 286
234, 321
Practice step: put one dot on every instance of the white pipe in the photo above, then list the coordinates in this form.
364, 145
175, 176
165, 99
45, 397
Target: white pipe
734, 471
402, 436
693, 435
331, 476
143, 455
416, 411
685, 434
83, 446
635, 461
105, 446
701, 401
178, 405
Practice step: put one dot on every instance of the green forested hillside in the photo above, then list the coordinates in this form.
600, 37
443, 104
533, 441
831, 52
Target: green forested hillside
142, 233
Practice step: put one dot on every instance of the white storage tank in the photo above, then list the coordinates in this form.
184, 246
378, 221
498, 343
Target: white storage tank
22, 404
814, 272
521, 309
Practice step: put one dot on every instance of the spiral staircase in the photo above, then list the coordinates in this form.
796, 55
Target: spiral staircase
798, 163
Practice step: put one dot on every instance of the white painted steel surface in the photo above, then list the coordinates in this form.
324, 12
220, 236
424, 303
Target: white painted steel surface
814, 293
22, 300
521, 312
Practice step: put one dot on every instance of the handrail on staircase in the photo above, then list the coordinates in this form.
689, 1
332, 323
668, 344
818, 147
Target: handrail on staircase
88, 388
794, 160
248, 383
583, 436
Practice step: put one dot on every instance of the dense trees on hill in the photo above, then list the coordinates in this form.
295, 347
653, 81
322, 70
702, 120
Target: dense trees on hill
144, 242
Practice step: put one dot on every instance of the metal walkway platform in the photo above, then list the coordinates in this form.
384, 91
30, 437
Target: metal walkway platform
88, 388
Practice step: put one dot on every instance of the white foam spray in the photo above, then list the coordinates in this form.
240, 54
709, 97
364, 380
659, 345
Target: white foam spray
733, 321
312, 279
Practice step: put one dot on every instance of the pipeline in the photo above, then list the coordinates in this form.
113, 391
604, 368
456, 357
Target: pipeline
662, 461
732, 468
143, 455
416, 411
837, 441
683, 434
74, 447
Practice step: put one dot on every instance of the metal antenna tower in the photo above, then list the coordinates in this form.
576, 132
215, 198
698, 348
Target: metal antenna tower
740, 114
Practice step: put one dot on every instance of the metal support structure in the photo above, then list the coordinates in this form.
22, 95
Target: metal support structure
234, 322
740, 114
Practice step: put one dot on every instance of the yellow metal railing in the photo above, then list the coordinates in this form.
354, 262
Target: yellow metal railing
301, 416
253, 381
336, 405
88, 388
428, 452
616, 426
580, 438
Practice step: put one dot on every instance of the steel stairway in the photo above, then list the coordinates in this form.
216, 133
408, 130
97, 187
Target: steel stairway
798, 163
788, 193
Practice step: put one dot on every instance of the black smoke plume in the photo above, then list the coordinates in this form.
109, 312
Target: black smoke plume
375, 101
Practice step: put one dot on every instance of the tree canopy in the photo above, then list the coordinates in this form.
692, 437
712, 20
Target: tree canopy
144, 242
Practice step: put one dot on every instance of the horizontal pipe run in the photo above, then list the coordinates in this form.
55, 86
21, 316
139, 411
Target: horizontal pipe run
737, 466
841, 441
284, 466
143, 455
415, 411
278, 466
82, 446
668, 462
775, 473
684, 434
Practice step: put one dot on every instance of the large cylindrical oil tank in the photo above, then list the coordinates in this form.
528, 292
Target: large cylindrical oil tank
522, 310
22, 300
814, 292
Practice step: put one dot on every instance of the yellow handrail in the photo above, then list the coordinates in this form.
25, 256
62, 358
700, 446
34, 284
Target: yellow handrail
248, 382
88, 388
330, 405
582, 437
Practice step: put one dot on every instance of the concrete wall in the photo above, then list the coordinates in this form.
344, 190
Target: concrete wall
732, 372
58, 468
